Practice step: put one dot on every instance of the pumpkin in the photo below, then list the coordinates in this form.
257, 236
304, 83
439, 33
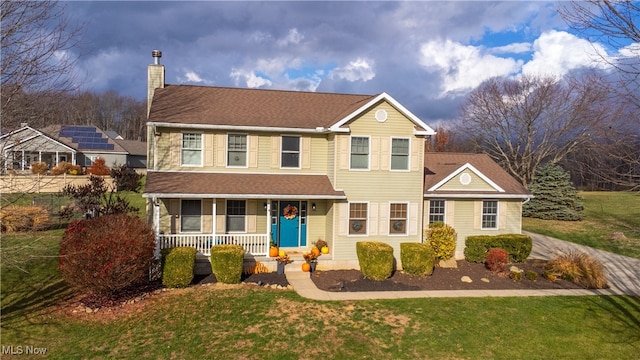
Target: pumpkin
273, 251
281, 253
306, 267
324, 250
315, 251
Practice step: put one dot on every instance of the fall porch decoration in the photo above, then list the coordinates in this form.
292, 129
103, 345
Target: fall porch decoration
290, 212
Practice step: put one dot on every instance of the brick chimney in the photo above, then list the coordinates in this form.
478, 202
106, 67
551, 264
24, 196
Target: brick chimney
155, 77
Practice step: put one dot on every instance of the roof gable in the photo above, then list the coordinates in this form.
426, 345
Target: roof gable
423, 128
27, 138
465, 181
486, 177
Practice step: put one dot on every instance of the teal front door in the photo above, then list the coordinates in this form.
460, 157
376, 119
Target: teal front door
289, 224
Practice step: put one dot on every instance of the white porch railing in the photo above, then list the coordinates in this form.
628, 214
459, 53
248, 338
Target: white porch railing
254, 244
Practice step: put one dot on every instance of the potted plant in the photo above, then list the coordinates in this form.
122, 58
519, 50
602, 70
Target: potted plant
282, 259
311, 258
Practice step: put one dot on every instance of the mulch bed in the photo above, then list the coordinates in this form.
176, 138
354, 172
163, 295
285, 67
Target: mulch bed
441, 279
352, 280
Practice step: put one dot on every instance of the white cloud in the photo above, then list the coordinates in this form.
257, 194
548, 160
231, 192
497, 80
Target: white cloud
463, 67
359, 69
248, 78
293, 37
515, 48
558, 52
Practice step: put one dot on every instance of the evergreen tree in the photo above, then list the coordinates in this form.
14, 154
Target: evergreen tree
555, 197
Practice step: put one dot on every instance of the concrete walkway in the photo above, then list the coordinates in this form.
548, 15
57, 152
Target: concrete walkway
623, 275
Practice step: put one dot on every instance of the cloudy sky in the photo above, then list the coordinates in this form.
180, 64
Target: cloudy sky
427, 55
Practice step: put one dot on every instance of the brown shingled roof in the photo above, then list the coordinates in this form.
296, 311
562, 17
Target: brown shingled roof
440, 165
239, 185
205, 105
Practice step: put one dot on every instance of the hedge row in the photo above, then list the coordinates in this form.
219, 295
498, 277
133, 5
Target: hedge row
518, 246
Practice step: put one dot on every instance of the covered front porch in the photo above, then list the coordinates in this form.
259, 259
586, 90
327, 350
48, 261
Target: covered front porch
216, 209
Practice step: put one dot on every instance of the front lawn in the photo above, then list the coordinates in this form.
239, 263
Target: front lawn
257, 323
612, 223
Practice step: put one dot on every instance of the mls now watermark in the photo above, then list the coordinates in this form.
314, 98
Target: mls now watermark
23, 350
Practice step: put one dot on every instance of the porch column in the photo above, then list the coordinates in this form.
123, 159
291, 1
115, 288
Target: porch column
23, 161
39, 156
73, 158
213, 218
57, 158
156, 225
268, 225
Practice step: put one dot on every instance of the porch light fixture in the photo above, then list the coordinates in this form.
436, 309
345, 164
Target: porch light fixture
265, 206
313, 206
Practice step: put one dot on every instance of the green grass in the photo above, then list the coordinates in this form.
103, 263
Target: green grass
239, 322
612, 223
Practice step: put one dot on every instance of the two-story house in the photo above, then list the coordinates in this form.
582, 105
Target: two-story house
251, 167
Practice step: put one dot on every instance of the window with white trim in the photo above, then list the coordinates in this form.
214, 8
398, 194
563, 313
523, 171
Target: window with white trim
489, 214
290, 153
236, 214
399, 154
359, 152
191, 149
398, 219
358, 218
236, 150
436, 211
190, 216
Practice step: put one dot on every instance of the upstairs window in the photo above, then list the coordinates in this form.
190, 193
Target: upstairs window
398, 219
489, 214
399, 154
191, 149
290, 154
436, 211
359, 152
236, 150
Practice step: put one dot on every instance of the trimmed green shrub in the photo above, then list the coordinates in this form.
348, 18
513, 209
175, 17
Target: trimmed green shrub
375, 259
496, 259
177, 266
442, 238
227, 263
517, 245
417, 259
107, 253
531, 275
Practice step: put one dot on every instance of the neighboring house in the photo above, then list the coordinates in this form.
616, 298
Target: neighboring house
78, 145
26, 145
472, 194
249, 167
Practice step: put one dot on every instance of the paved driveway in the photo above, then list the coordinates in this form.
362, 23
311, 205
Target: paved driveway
623, 272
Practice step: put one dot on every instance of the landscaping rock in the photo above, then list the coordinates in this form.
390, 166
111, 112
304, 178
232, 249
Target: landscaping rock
449, 264
466, 279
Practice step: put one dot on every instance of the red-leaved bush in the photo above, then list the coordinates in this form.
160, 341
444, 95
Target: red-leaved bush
98, 167
497, 259
107, 253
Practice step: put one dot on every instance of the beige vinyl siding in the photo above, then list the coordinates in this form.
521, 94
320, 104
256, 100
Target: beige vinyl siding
378, 186
263, 152
464, 215
317, 222
476, 184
